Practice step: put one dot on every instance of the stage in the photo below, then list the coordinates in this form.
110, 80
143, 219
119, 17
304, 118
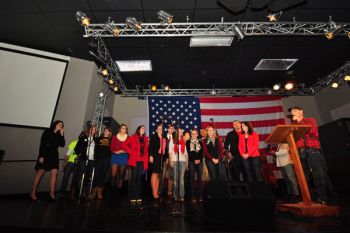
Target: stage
113, 214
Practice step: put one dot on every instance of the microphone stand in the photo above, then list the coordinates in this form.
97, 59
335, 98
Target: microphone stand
176, 211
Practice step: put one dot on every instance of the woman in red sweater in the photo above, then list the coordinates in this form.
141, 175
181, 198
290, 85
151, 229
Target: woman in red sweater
119, 158
137, 148
249, 149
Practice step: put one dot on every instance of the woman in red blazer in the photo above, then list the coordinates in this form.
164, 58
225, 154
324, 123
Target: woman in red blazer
248, 146
137, 148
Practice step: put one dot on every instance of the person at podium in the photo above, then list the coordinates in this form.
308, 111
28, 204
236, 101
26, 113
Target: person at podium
311, 158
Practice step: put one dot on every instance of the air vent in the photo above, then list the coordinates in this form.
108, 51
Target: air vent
275, 64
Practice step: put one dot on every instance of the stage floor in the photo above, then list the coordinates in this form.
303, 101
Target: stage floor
113, 214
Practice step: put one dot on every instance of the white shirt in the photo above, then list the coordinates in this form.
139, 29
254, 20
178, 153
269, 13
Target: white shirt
283, 158
90, 150
173, 155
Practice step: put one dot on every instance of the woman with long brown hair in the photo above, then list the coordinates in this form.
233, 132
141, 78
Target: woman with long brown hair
48, 160
248, 146
119, 158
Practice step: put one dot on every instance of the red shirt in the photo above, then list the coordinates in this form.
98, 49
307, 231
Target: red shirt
310, 139
253, 145
117, 144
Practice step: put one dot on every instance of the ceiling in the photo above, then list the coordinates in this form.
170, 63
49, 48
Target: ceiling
51, 26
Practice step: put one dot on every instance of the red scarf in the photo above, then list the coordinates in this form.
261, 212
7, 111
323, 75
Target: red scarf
182, 143
162, 146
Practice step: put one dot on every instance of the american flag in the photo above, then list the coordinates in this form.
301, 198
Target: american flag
264, 112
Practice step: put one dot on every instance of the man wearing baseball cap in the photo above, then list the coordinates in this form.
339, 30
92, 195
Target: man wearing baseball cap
312, 160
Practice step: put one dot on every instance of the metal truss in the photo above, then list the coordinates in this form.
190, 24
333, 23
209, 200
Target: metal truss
216, 92
97, 118
219, 28
104, 56
335, 76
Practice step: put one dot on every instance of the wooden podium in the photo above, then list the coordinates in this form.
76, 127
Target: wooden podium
289, 134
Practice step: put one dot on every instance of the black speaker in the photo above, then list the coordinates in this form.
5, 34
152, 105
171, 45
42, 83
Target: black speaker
335, 143
239, 203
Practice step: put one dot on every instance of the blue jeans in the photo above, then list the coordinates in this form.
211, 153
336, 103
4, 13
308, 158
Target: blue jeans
290, 179
179, 173
68, 171
314, 167
252, 167
135, 183
196, 169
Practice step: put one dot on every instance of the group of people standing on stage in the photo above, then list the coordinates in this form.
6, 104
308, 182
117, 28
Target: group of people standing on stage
169, 155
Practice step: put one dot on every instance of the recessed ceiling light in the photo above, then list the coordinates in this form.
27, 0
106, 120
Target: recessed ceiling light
134, 65
275, 64
209, 41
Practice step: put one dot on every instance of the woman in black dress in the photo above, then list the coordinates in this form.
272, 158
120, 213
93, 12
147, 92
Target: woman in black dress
156, 151
48, 160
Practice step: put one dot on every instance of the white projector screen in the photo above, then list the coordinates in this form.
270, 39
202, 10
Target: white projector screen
29, 88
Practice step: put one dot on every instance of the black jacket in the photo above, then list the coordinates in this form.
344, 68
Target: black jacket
50, 142
193, 155
81, 147
231, 141
154, 144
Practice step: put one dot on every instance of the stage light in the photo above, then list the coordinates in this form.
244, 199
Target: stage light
133, 23
166, 87
289, 86
82, 18
335, 85
165, 17
274, 17
276, 87
213, 92
111, 81
101, 94
348, 35
103, 71
347, 78
333, 30
153, 87
239, 32
269, 92
115, 89
114, 30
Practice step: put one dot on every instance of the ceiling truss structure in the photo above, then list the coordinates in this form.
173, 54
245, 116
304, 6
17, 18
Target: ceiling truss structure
98, 31
220, 29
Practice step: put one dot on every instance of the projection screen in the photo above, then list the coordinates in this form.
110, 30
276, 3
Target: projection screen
30, 85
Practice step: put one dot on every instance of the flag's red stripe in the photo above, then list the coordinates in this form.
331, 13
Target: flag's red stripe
238, 99
245, 111
263, 123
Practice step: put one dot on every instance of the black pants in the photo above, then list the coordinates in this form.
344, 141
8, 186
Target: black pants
314, 167
252, 167
135, 184
101, 166
84, 168
196, 169
236, 168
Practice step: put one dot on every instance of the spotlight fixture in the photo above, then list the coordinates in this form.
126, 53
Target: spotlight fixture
269, 92
101, 94
347, 78
213, 92
165, 17
82, 18
111, 28
333, 29
111, 81
153, 87
289, 86
133, 23
166, 87
103, 71
274, 17
115, 88
335, 85
348, 34
239, 32
276, 87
